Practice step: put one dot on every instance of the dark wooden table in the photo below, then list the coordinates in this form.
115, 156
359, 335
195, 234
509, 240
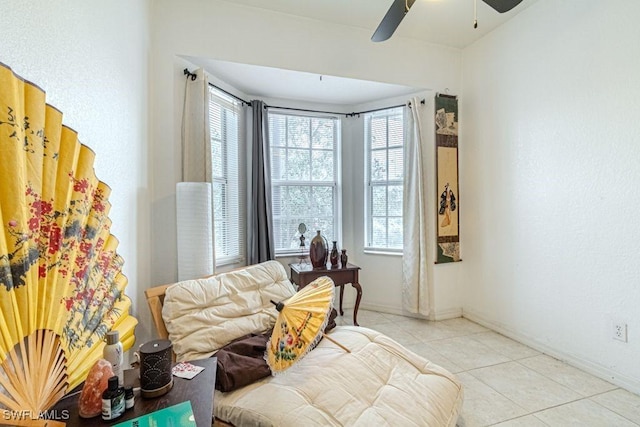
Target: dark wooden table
198, 390
303, 274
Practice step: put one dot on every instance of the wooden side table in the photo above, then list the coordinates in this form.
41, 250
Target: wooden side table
303, 274
198, 390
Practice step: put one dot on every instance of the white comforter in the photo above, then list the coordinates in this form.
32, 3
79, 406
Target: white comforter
379, 383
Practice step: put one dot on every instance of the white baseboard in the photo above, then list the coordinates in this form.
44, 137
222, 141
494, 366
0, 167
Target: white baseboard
381, 308
595, 369
450, 313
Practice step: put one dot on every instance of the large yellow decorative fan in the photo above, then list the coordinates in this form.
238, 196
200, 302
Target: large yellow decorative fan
61, 286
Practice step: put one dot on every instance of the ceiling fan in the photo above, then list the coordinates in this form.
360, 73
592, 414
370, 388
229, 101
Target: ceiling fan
399, 9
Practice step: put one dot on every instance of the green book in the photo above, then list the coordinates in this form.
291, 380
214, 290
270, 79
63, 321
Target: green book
180, 415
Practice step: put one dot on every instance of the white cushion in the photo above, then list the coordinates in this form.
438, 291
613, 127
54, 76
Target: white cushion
379, 383
204, 315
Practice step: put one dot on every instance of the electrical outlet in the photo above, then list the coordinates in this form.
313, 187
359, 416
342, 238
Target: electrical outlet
620, 331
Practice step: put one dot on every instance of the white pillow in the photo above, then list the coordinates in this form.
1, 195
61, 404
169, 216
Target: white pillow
204, 315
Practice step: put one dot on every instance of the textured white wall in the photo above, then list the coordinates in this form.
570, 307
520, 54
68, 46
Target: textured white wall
549, 166
91, 59
223, 30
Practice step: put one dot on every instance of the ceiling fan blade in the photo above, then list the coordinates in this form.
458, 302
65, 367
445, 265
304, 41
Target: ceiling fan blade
502, 6
392, 19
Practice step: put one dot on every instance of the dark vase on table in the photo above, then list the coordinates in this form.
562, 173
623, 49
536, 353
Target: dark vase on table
334, 255
318, 251
344, 258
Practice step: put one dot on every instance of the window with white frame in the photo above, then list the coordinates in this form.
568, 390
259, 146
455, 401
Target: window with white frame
226, 123
384, 146
304, 177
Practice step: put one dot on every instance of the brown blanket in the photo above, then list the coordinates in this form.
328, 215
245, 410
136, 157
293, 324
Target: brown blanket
241, 362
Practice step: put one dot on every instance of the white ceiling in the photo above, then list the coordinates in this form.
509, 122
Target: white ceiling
267, 82
444, 22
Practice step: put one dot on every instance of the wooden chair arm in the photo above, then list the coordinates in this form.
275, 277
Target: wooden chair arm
155, 299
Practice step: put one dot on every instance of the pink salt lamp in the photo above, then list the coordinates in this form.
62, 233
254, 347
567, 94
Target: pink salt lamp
90, 402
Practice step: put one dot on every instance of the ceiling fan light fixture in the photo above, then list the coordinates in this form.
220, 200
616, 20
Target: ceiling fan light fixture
399, 8
502, 6
475, 13
391, 20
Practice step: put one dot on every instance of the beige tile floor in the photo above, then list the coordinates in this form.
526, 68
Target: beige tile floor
508, 384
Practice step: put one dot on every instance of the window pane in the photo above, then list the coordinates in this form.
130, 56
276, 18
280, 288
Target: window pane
278, 236
396, 137
215, 121
322, 133
379, 234
379, 165
322, 166
384, 131
276, 200
286, 233
278, 163
298, 165
298, 200
395, 200
395, 233
308, 159
298, 132
277, 131
217, 160
231, 127
379, 200
378, 132
323, 201
220, 237
220, 218
396, 164
218, 200
227, 176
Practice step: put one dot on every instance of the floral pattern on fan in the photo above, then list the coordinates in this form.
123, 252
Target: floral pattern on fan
43, 227
73, 238
61, 281
42, 222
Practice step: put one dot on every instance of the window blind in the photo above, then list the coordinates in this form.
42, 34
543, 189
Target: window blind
304, 177
226, 121
384, 142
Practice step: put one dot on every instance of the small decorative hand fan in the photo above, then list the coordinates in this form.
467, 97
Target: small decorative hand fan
61, 286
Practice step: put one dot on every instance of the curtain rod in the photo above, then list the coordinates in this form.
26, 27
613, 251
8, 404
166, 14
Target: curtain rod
189, 74
306, 110
353, 114
237, 98
422, 101
193, 76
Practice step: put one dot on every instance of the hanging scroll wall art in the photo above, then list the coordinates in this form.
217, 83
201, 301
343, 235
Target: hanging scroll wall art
448, 202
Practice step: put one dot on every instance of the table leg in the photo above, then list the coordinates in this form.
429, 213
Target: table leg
358, 289
341, 295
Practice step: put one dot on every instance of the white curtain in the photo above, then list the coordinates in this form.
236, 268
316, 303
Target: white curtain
196, 147
193, 198
415, 288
